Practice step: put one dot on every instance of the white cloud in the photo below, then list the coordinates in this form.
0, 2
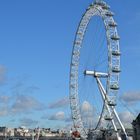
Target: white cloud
131, 97
60, 103
19, 104
24, 104
19, 101
126, 118
31, 89
58, 116
88, 114
86, 107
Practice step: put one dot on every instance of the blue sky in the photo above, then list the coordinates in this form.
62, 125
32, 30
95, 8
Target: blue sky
36, 40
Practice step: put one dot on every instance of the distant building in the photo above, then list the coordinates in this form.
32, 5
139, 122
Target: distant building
10, 132
3, 131
136, 128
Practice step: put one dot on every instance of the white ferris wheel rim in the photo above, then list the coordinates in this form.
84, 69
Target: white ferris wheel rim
113, 60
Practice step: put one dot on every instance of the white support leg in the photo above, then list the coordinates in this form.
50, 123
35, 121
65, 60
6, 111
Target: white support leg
119, 121
98, 75
114, 110
103, 93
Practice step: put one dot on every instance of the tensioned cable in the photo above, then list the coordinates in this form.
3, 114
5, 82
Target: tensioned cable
87, 95
94, 39
100, 42
89, 50
97, 103
102, 51
126, 106
97, 65
100, 45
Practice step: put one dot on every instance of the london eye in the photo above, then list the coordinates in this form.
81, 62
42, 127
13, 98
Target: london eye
94, 72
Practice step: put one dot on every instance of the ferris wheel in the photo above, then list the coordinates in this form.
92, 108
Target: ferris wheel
94, 72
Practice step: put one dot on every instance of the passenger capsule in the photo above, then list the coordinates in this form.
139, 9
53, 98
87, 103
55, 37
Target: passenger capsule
116, 69
114, 86
116, 53
115, 37
108, 118
109, 13
112, 24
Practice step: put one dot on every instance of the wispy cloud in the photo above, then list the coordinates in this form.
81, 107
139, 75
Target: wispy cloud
28, 122
131, 97
21, 99
25, 104
19, 104
4, 99
58, 116
21, 87
4, 110
31, 89
68, 119
60, 103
